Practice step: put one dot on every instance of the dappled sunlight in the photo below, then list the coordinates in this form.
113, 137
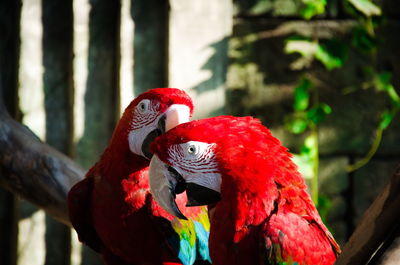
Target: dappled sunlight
198, 55
31, 68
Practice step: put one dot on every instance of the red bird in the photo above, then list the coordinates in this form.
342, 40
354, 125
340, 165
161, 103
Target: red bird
260, 211
112, 209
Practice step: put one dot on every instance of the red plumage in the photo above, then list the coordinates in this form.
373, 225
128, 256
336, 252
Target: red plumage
112, 209
265, 215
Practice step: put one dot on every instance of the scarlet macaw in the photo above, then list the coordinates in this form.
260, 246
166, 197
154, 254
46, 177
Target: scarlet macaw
260, 211
112, 209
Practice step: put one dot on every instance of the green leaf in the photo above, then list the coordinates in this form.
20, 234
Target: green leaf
386, 119
394, 96
382, 81
331, 54
366, 7
312, 8
363, 41
301, 95
319, 113
296, 123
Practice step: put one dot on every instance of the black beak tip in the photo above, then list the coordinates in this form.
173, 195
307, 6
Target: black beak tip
176, 210
181, 216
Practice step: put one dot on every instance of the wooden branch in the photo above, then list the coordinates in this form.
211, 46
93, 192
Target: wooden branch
378, 222
34, 170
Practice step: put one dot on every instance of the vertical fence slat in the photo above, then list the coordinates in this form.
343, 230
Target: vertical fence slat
150, 44
102, 88
57, 43
101, 109
10, 13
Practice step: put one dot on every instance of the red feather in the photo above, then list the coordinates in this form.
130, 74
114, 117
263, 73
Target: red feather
112, 208
265, 214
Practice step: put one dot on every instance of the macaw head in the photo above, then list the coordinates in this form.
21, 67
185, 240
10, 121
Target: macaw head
211, 159
151, 114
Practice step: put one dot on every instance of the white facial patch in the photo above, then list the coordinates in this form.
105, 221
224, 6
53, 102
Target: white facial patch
146, 118
196, 162
136, 137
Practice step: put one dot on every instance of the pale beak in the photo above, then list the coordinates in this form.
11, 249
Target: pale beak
165, 183
175, 115
172, 117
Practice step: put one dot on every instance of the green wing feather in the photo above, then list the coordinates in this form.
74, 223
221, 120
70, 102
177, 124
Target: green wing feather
189, 238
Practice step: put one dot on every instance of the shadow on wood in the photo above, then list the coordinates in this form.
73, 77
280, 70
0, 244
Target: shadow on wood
34, 170
375, 229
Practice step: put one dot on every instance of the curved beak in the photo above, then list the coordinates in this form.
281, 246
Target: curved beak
173, 116
165, 183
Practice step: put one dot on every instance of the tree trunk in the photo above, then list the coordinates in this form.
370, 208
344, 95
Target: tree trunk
150, 50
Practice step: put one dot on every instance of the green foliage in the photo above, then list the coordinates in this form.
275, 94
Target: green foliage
296, 123
366, 7
363, 41
387, 117
318, 113
331, 53
304, 115
312, 8
302, 95
308, 112
307, 116
382, 81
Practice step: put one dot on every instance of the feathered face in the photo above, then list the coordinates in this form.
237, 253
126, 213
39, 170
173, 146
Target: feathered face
209, 157
187, 158
153, 113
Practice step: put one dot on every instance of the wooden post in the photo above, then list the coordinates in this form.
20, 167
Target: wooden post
376, 225
35, 171
10, 13
150, 44
102, 88
57, 43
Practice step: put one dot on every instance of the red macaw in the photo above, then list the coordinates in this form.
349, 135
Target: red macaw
112, 209
260, 211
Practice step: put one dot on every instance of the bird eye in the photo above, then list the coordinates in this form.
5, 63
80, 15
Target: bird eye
192, 149
143, 106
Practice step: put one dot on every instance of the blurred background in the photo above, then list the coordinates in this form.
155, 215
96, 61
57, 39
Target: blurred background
323, 75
